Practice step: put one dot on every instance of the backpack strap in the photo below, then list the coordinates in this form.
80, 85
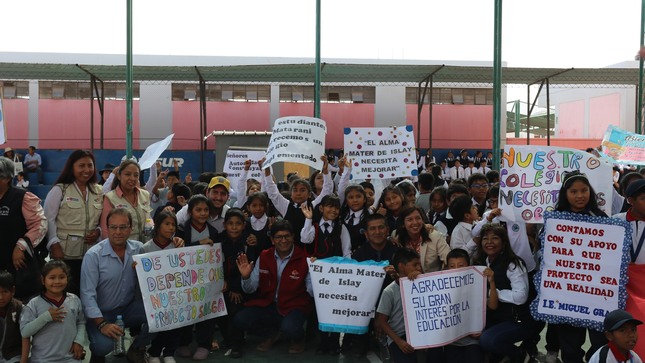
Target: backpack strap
603, 354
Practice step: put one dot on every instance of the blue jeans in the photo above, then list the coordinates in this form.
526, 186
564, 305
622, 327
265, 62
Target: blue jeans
134, 317
266, 320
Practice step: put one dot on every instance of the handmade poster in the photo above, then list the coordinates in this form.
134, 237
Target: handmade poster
297, 139
181, 286
584, 269
442, 307
153, 152
346, 292
624, 146
531, 177
234, 164
381, 152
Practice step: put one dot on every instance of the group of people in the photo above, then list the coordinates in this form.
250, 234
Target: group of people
91, 233
32, 162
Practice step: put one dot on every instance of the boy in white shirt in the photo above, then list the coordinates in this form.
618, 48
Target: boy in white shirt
620, 330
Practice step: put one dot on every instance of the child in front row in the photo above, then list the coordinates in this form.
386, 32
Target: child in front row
620, 331
163, 238
54, 320
326, 232
389, 314
197, 231
13, 347
467, 349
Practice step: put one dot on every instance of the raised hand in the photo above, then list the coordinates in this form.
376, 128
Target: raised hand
307, 211
244, 266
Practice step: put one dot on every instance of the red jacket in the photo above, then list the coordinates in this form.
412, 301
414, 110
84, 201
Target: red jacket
293, 293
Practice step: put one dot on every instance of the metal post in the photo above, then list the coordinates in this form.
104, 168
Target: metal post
548, 114
420, 97
528, 114
497, 84
102, 108
639, 116
202, 116
430, 103
92, 85
518, 120
317, 72
128, 82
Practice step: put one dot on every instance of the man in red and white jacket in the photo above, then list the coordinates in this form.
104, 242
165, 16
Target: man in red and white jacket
283, 292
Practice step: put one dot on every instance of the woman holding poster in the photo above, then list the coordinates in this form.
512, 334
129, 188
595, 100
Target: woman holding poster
577, 196
510, 322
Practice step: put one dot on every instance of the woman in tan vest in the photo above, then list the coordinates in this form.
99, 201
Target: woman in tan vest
73, 210
126, 193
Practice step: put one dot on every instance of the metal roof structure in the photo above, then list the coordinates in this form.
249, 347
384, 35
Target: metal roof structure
331, 73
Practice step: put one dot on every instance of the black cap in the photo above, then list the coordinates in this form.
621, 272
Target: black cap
634, 187
617, 318
107, 167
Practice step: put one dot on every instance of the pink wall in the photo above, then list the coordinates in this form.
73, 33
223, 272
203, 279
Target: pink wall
603, 111
454, 126
240, 116
16, 119
571, 119
577, 143
336, 115
66, 124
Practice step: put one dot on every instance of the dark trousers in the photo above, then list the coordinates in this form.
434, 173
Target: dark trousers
553, 338
500, 339
397, 355
165, 341
266, 321
233, 336
571, 340
203, 334
74, 284
134, 318
459, 354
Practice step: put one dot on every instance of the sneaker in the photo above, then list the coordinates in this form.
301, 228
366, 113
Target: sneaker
136, 355
154, 360
551, 357
200, 354
170, 359
236, 352
268, 343
183, 351
297, 347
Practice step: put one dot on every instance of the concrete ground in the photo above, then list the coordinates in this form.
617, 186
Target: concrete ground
279, 355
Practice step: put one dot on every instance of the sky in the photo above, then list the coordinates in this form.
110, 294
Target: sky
545, 33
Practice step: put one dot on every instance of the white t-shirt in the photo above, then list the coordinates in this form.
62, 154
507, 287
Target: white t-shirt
611, 359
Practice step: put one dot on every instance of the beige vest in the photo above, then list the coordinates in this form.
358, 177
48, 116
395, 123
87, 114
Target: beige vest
139, 214
76, 218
